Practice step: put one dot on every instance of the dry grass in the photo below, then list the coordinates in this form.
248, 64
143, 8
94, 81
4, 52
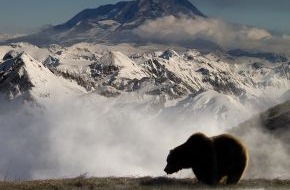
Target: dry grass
146, 183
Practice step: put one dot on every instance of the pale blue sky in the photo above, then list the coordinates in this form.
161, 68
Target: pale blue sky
273, 15
27, 16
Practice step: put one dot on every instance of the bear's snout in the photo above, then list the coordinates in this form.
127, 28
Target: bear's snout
168, 170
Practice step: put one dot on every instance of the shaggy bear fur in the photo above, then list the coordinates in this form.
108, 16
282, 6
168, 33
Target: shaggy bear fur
219, 159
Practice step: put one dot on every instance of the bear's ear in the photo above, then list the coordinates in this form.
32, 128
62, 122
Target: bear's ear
170, 151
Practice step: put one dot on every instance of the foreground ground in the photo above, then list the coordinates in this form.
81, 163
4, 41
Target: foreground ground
146, 183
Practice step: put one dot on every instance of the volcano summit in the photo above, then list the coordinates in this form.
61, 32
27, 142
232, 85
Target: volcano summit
112, 23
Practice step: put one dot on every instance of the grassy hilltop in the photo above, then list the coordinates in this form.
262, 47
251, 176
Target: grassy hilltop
146, 183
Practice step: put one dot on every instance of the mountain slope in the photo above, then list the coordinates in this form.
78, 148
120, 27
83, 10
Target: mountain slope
275, 121
267, 137
22, 75
278, 118
210, 109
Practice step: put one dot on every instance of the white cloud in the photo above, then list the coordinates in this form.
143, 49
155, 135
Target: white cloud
227, 35
257, 34
103, 138
286, 37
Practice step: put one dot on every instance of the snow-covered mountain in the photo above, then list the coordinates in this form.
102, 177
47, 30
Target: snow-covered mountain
132, 13
185, 83
112, 23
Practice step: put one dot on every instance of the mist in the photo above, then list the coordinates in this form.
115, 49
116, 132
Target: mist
227, 35
105, 137
70, 138
269, 153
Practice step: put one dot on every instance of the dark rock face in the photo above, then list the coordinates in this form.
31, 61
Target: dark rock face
278, 117
13, 79
10, 55
272, 57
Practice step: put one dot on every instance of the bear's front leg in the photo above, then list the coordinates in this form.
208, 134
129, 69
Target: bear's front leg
206, 174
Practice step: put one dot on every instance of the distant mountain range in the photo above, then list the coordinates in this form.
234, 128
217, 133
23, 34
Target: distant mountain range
186, 83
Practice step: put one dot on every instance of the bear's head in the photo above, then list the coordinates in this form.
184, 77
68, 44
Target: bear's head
172, 163
177, 160
185, 155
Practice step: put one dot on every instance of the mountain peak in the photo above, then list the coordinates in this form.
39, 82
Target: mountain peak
172, 4
15, 74
134, 11
112, 23
23, 74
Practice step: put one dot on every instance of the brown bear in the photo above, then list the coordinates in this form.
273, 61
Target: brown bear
219, 159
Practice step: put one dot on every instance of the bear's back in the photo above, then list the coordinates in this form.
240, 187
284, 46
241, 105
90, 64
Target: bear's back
228, 145
229, 151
